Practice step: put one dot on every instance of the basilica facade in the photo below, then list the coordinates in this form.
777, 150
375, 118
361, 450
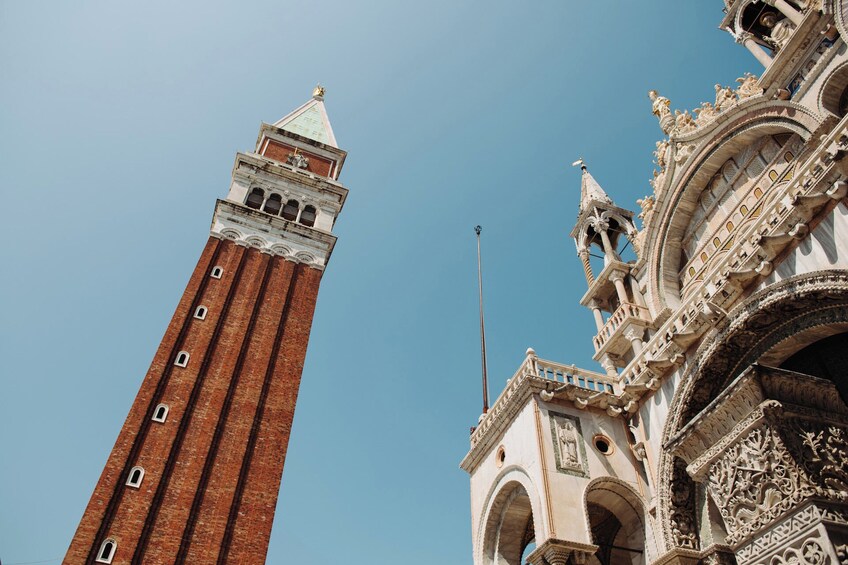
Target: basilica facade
717, 430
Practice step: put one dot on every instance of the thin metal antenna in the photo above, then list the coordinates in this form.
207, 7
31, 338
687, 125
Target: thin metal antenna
477, 230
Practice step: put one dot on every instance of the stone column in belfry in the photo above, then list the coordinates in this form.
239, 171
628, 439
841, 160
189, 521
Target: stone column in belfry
195, 472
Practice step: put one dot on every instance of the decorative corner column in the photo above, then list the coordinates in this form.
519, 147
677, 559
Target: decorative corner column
772, 450
755, 48
587, 267
559, 552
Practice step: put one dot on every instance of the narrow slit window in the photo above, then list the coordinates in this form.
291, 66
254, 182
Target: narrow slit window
182, 359
200, 313
107, 551
273, 204
307, 217
290, 210
135, 478
255, 198
161, 413
217, 272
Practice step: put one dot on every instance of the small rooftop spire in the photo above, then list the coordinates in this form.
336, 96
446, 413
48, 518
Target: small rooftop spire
318, 92
310, 120
590, 190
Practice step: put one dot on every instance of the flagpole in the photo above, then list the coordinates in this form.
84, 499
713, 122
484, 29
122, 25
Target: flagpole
477, 230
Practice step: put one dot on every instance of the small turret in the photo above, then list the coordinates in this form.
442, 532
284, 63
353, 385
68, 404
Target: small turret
613, 290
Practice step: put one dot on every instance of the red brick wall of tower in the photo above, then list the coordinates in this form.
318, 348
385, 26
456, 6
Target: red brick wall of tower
213, 468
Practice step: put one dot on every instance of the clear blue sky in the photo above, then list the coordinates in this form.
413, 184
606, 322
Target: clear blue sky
120, 122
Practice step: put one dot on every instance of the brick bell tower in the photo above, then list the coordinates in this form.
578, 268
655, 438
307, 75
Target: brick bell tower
196, 469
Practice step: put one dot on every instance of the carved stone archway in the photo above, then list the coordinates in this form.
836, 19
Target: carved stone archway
769, 317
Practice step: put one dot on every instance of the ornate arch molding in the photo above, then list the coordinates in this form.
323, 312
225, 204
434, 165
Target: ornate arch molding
676, 204
753, 328
839, 9
831, 92
510, 482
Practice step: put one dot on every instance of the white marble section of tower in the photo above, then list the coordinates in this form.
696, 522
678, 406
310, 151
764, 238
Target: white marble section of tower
285, 197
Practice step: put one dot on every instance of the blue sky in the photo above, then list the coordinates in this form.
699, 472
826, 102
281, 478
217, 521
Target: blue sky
120, 122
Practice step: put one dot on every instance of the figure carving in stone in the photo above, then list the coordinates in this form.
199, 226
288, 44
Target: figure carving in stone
660, 108
705, 113
683, 122
683, 152
647, 204
748, 86
569, 453
297, 160
725, 98
779, 30
660, 153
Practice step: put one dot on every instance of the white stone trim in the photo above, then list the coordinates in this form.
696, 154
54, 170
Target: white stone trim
161, 419
272, 234
136, 483
181, 361
111, 555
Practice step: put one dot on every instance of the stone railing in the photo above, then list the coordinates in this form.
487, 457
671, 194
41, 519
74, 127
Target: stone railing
532, 366
624, 312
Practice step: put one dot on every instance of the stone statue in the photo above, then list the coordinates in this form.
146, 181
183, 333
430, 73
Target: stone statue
683, 122
660, 108
725, 98
705, 113
647, 204
748, 86
569, 452
660, 152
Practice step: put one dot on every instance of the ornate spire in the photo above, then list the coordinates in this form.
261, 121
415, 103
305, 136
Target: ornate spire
590, 190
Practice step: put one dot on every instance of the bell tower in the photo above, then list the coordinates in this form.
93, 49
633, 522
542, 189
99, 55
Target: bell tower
195, 472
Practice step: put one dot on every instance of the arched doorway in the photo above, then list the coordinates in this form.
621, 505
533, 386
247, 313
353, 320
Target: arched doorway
617, 521
510, 529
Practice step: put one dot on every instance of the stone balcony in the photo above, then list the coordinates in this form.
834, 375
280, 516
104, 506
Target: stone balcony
626, 323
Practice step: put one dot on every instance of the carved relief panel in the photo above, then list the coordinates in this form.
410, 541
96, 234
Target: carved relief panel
569, 447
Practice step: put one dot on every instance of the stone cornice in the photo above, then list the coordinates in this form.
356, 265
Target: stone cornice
251, 163
272, 234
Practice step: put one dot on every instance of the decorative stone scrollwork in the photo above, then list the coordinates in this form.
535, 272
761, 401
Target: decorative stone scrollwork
753, 482
822, 451
682, 501
809, 553
683, 122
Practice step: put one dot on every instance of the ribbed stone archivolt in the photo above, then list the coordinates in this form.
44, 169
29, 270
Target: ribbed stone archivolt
772, 450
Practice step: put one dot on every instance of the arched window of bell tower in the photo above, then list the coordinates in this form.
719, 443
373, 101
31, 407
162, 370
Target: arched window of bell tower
273, 204
255, 198
290, 210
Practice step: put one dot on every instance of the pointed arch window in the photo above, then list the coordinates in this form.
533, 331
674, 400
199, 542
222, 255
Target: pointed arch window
307, 217
255, 198
107, 551
135, 478
290, 210
161, 413
182, 359
273, 204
